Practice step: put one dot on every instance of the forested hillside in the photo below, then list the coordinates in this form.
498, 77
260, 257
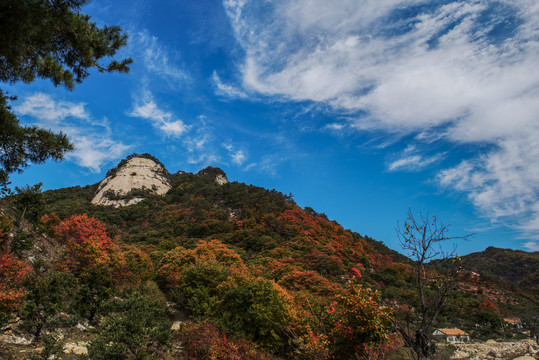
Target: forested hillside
257, 277
517, 267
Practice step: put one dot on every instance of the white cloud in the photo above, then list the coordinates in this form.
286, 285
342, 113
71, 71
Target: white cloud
339, 52
238, 156
503, 182
464, 71
146, 108
200, 144
93, 141
335, 126
225, 90
532, 245
41, 106
157, 58
413, 162
92, 151
196, 139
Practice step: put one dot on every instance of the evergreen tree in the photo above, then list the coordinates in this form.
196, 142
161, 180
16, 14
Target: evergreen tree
30, 202
136, 327
22, 145
47, 39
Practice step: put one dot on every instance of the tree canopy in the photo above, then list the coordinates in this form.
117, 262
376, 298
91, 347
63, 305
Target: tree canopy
47, 39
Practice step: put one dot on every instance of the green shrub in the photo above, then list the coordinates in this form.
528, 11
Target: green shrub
198, 289
255, 310
136, 327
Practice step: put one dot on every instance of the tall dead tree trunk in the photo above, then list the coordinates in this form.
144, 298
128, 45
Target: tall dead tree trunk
421, 238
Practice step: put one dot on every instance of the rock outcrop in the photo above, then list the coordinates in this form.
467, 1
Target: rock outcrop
213, 172
131, 181
493, 350
138, 176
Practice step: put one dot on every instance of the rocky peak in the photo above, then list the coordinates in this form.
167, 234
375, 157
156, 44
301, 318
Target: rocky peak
214, 173
132, 180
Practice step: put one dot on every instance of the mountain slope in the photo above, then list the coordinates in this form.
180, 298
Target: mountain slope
245, 260
518, 267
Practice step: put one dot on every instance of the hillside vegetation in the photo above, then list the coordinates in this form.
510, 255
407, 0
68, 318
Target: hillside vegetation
258, 277
517, 267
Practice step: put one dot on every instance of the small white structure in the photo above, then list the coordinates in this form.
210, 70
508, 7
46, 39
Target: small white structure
452, 336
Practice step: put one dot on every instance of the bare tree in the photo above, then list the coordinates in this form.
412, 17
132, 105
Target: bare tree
421, 238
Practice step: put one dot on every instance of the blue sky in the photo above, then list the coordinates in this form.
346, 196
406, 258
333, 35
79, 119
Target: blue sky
360, 109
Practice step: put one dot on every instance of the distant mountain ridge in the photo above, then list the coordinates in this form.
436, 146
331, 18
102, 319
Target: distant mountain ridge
517, 267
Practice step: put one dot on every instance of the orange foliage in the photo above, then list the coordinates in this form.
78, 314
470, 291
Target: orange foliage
308, 280
49, 222
179, 259
215, 251
80, 228
205, 341
140, 265
488, 305
317, 232
88, 246
13, 272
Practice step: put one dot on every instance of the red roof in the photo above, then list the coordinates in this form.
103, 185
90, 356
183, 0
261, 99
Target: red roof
453, 332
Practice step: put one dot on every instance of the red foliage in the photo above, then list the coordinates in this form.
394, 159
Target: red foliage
317, 232
13, 272
488, 305
239, 224
355, 273
80, 228
204, 341
88, 246
308, 280
179, 259
359, 324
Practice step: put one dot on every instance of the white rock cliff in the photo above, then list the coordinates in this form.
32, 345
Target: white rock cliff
137, 173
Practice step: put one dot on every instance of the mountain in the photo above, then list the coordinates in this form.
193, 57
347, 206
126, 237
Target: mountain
134, 193
253, 274
516, 267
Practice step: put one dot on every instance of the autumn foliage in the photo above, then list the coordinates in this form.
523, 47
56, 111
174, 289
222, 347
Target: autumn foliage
87, 247
260, 277
487, 305
13, 272
205, 341
176, 261
359, 325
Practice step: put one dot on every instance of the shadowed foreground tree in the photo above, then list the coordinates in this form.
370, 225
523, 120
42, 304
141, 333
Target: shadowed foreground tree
136, 327
22, 145
421, 238
30, 202
47, 39
531, 323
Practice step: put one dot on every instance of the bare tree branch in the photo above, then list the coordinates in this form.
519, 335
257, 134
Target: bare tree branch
421, 238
